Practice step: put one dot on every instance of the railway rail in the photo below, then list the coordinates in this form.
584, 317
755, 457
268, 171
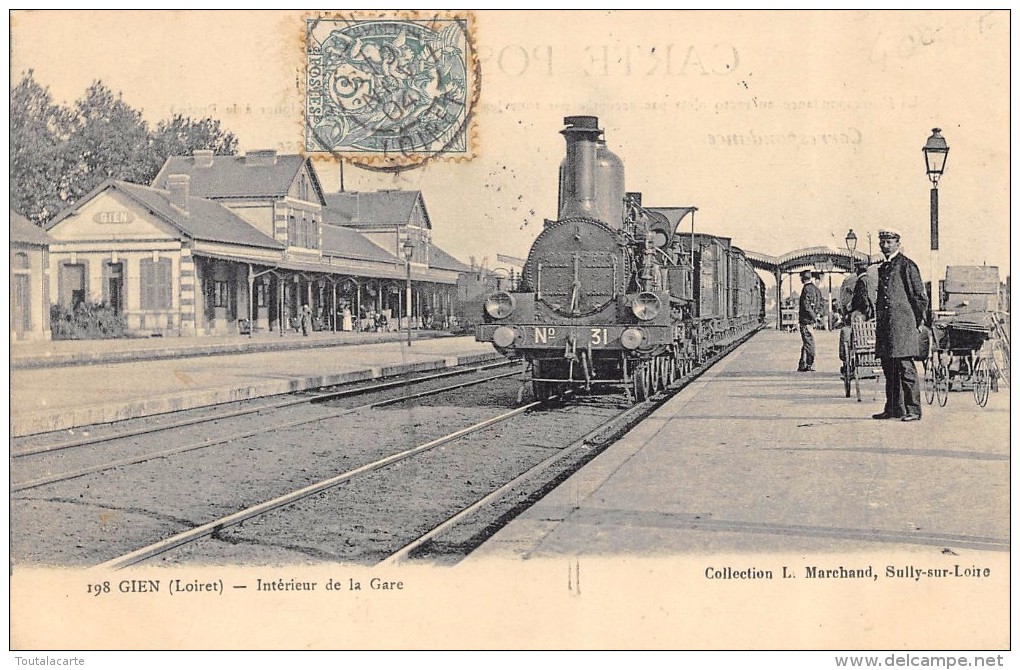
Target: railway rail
471, 522
259, 430
32, 446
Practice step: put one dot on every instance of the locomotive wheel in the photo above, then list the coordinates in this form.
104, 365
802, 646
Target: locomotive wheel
543, 390
929, 381
671, 369
654, 378
660, 373
641, 382
982, 382
942, 383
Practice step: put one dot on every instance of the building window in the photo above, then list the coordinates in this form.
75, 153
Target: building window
156, 279
220, 294
303, 232
21, 261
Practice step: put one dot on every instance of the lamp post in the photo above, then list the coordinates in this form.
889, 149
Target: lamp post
851, 245
408, 252
935, 152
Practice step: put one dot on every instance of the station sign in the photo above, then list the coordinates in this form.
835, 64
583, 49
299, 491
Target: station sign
122, 216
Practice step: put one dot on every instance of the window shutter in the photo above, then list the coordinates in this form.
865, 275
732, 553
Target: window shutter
162, 289
145, 282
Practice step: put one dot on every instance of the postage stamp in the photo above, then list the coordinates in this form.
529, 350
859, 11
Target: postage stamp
389, 92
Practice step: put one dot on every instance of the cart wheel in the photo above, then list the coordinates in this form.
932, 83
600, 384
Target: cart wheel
848, 361
982, 382
942, 383
1000, 356
929, 381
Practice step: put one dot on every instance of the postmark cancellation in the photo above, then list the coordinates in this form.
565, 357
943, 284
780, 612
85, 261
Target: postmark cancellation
389, 91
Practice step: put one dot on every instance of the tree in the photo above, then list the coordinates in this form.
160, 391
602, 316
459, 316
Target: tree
39, 130
181, 136
110, 140
60, 154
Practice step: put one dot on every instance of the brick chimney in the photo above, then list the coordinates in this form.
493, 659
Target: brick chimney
203, 158
260, 157
178, 185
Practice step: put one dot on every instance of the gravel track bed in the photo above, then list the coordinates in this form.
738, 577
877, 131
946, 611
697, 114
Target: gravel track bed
96, 517
364, 520
45, 464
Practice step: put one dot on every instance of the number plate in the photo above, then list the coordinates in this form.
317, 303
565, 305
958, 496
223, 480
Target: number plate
596, 336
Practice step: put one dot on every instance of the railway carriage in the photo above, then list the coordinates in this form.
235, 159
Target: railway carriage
614, 294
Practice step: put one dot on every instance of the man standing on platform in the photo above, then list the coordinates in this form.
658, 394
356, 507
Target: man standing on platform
810, 313
900, 315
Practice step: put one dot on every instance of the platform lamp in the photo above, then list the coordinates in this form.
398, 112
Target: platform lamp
408, 252
851, 246
935, 152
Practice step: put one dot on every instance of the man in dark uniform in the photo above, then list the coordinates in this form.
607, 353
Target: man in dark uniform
810, 312
900, 315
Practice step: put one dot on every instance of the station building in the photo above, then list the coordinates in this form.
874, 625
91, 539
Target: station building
29, 271
238, 244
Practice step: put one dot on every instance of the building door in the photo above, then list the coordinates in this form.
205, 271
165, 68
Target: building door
114, 286
22, 305
72, 285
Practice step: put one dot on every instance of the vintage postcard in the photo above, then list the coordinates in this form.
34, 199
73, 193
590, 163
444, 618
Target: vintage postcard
768, 227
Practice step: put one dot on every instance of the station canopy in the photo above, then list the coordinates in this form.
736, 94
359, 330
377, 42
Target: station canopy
817, 258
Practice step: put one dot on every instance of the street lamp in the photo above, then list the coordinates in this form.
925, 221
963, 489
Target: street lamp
408, 252
851, 245
935, 152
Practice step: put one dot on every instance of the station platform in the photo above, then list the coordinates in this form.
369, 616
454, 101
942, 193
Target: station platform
63, 385
61, 353
755, 457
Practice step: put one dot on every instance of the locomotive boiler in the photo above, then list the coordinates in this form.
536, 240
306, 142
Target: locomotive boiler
613, 294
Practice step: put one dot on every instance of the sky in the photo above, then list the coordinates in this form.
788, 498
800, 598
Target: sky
785, 129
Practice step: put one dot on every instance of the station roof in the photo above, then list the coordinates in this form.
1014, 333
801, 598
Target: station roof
24, 231
364, 209
805, 258
349, 243
441, 260
204, 219
257, 174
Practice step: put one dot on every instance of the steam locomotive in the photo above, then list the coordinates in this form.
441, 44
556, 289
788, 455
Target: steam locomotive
613, 294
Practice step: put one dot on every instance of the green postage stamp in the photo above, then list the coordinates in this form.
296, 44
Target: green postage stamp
389, 92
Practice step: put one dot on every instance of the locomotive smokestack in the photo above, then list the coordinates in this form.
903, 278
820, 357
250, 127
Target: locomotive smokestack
591, 176
577, 171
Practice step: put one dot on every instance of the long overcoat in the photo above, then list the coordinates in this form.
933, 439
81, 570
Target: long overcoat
900, 308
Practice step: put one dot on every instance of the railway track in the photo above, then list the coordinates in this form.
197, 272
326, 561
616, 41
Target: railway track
229, 437
41, 444
440, 533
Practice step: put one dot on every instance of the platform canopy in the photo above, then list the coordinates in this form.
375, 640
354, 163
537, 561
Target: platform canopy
808, 257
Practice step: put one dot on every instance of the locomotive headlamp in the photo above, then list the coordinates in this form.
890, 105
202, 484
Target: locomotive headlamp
646, 306
500, 305
504, 336
631, 338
